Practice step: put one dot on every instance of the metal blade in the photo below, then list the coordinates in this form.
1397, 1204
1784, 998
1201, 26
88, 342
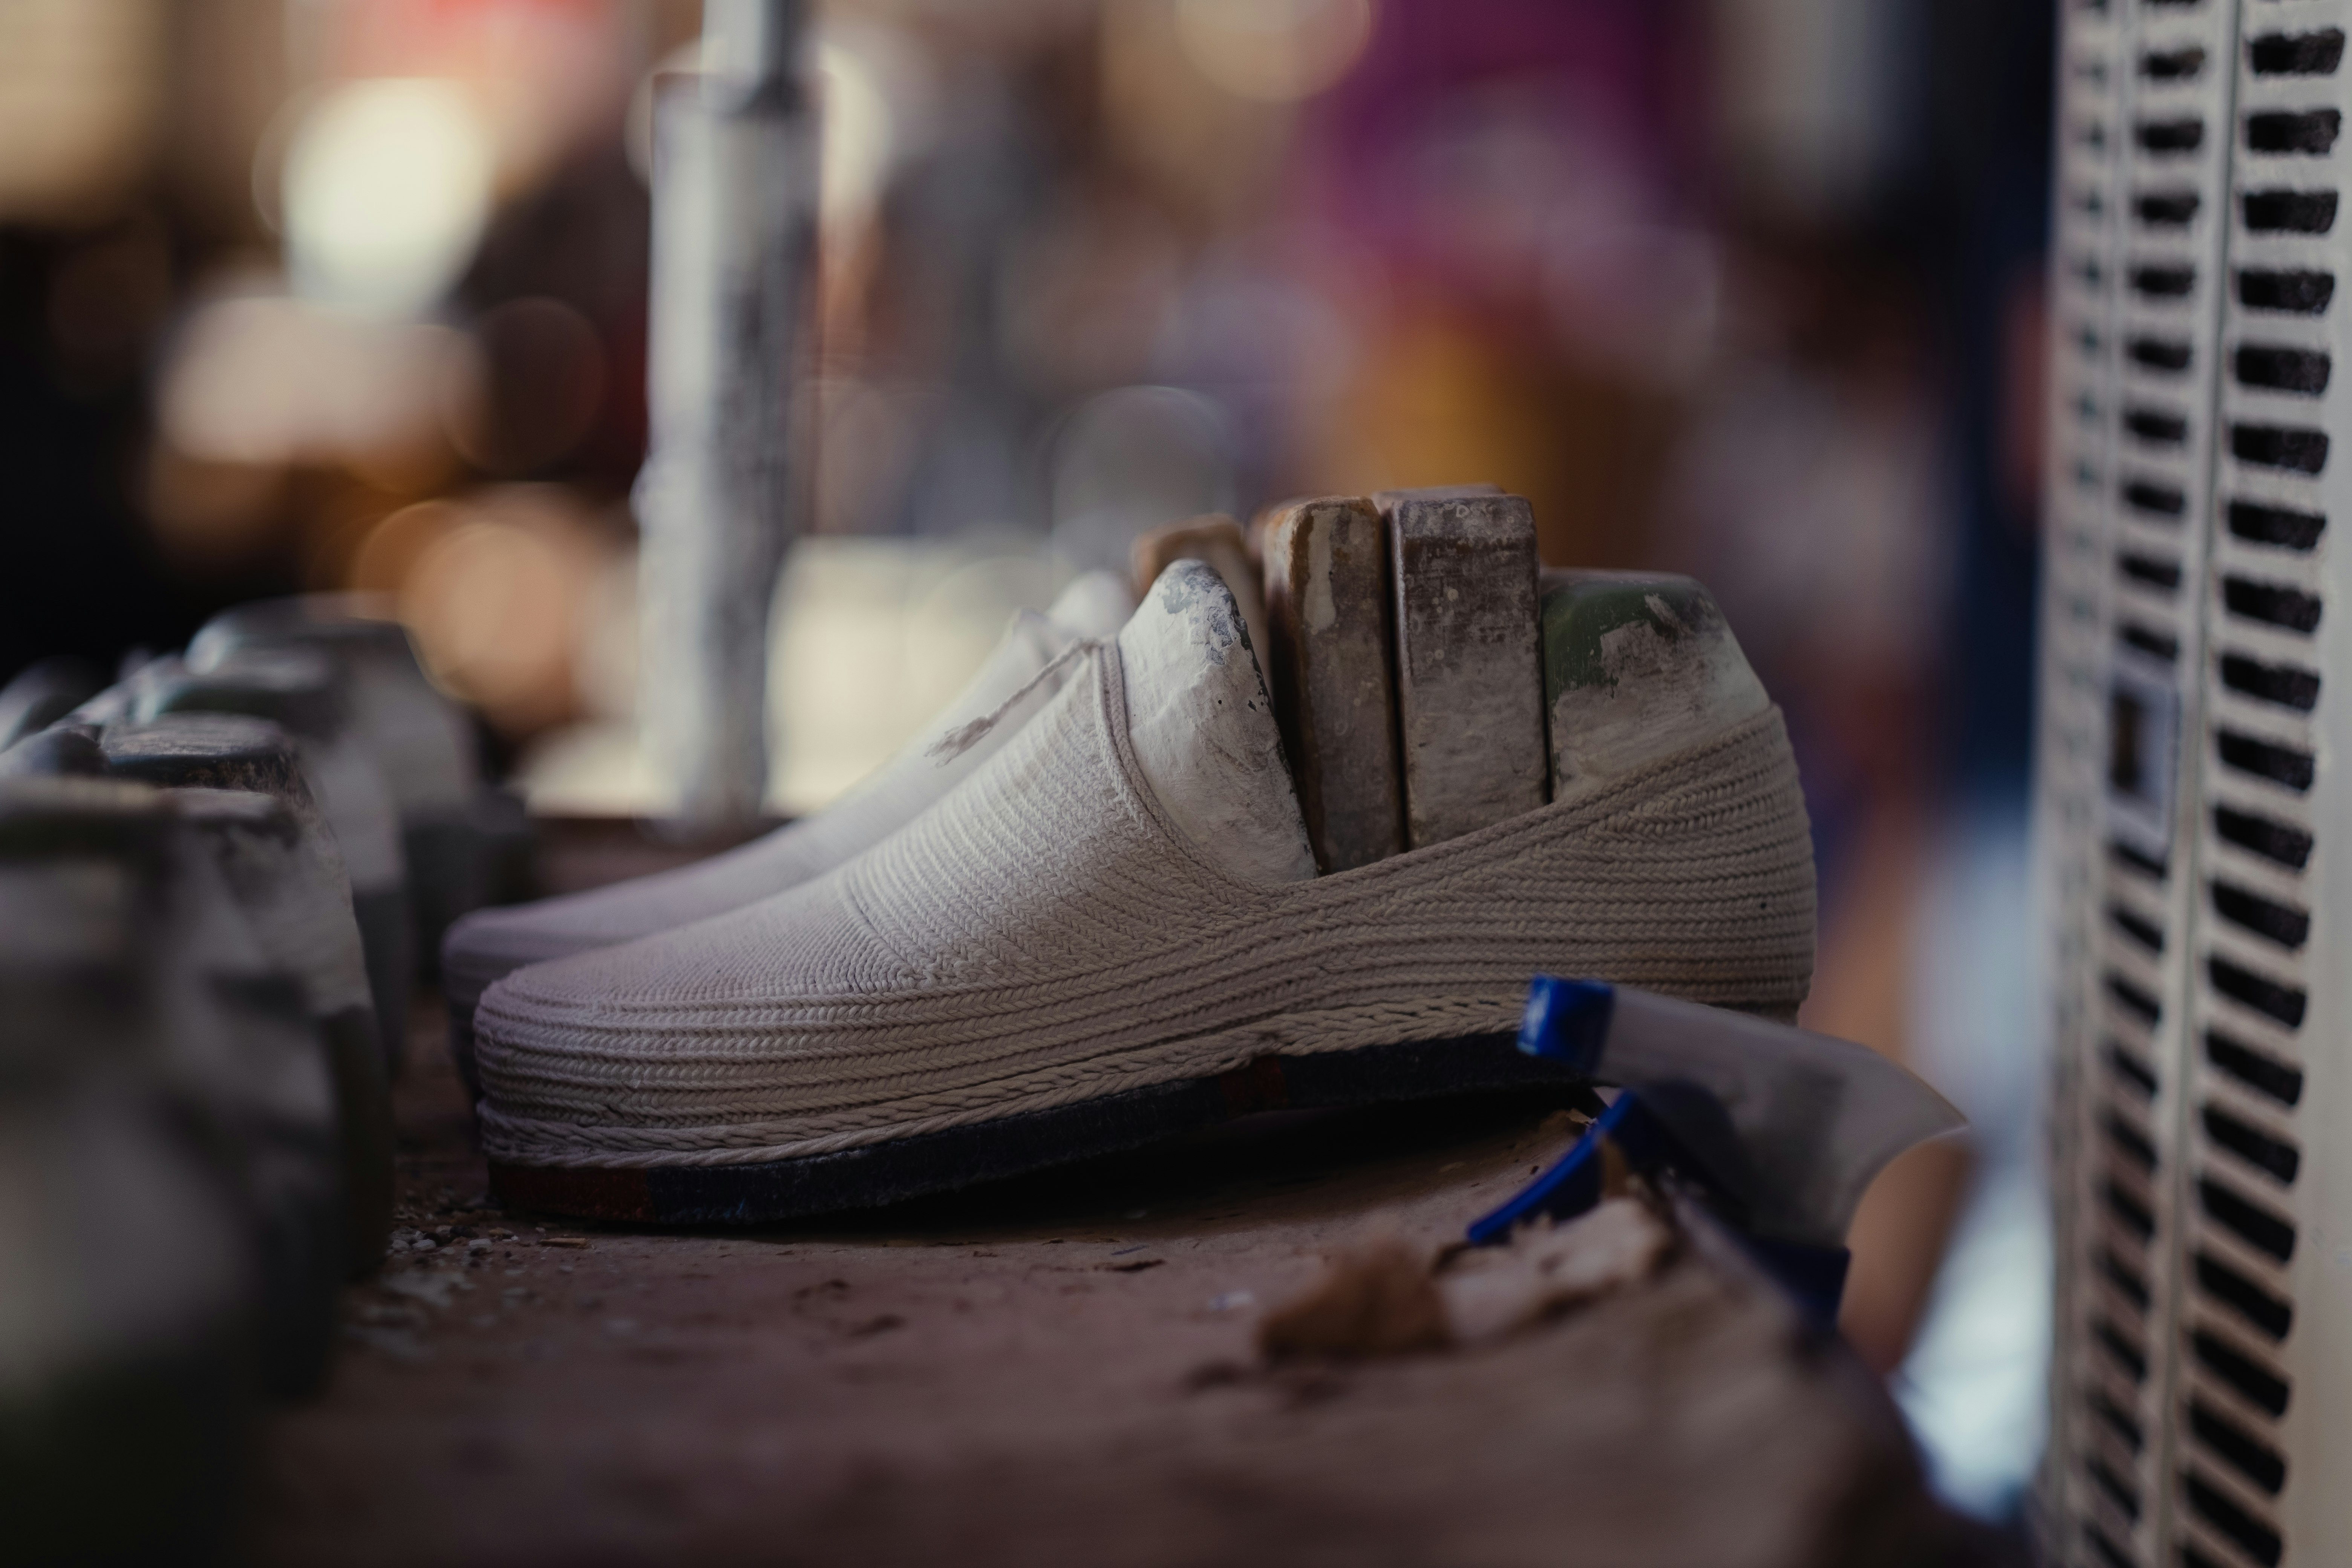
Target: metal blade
1820, 1117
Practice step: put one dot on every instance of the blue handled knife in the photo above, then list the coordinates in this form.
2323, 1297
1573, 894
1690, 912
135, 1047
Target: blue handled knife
1784, 1128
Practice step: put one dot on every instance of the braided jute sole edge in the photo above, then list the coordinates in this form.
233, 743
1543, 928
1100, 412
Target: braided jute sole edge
877, 1173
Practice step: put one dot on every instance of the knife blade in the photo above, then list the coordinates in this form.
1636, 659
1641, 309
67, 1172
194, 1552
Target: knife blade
1818, 1117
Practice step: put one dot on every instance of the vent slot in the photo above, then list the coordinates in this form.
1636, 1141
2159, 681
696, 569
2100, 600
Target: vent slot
2164, 283
2167, 209
2133, 1214
2273, 604
2128, 1066
2111, 1554
2160, 354
2282, 923
2249, 1534
2276, 525
2302, 371
2133, 1000
2159, 500
2130, 1355
2283, 1003
2127, 1279
2130, 1142
2307, 130
2254, 1383
2192, 1558
2286, 685
2294, 54
2138, 927
2253, 1224
2175, 138
2150, 571
2156, 644
2240, 1449
2258, 1070
2121, 1422
2156, 426
2267, 760
2289, 447
2288, 212
2122, 1493
2296, 293
2172, 65
2257, 1306
2251, 1144
2131, 859
2266, 918
2274, 841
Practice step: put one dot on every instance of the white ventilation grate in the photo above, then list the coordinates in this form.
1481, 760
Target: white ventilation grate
2195, 1392
2087, 259
2244, 1400
2146, 94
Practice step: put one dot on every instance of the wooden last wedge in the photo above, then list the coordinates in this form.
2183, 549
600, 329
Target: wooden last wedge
1327, 608
1469, 688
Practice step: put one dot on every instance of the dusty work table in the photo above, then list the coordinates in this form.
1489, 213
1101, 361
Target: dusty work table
1063, 1370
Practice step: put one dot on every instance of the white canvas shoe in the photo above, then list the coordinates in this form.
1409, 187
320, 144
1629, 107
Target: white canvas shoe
1017, 680
1105, 934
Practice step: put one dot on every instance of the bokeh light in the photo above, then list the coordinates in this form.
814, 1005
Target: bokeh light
494, 594
387, 188
1275, 51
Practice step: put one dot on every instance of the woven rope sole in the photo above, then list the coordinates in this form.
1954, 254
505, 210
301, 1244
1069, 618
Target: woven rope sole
979, 1152
1042, 939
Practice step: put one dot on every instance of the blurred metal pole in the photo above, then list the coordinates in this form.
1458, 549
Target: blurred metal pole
722, 491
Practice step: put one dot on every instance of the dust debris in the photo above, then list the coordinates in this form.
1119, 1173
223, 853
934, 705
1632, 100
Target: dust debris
1386, 1298
1377, 1299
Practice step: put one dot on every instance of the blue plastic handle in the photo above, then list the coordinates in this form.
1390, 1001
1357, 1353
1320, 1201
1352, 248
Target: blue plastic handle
1567, 1021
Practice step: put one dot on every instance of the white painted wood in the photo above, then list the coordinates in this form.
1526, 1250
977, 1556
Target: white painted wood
1203, 728
1215, 539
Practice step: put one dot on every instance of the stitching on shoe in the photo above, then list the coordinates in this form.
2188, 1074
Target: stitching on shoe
981, 998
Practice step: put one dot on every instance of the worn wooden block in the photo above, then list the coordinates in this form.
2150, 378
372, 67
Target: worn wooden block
1217, 540
1327, 607
1389, 500
1637, 665
1469, 689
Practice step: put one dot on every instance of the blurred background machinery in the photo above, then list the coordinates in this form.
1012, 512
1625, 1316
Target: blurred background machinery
353, 296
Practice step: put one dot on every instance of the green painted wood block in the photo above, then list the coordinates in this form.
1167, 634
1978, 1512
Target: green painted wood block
1636, 666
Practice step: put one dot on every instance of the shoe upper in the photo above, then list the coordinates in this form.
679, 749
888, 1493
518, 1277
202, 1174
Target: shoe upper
1016, 680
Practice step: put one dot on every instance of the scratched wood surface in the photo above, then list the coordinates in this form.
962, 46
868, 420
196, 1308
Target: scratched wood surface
1469, 683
